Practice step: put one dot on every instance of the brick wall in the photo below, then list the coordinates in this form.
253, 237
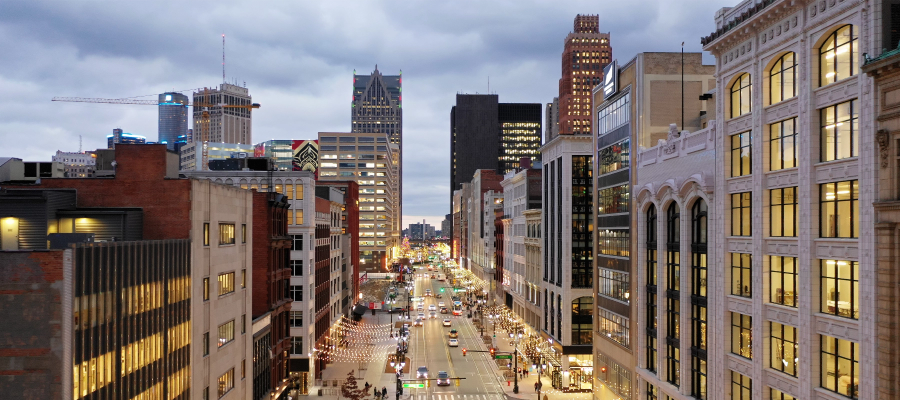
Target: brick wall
32, 336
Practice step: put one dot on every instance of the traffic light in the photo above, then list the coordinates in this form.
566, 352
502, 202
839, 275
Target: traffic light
493, 352
428, 383
442, 290
464, 352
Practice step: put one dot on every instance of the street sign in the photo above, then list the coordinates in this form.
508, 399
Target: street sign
414, 385
503, 357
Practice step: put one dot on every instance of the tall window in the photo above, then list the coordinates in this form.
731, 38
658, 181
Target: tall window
740, 154
226, 283
206, 233
840, 366
775, 394
741, 275
783, 211
783, 348
226, 234
838, 55
840, 288
740, 96
673, 302
783, 144
783, 280
699, 217
741, 207
297, 267
296, 345
741, 334
783, 79
839, 131
297, 292
226, 333
205, 343
741, 387
582, 226
651, 289
226, 382
297, 243
839, 204
296, 319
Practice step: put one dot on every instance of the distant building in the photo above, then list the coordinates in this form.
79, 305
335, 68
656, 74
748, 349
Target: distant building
197, 155
290, 155
486, 134
447, 225
121, 137
586, 53
173, 118
551, 120
222, 124
77, 165
421, 231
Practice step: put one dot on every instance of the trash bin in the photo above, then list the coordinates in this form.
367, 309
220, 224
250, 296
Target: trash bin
320, 392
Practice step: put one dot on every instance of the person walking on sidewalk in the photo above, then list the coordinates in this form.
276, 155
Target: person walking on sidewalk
535, 387
384, 391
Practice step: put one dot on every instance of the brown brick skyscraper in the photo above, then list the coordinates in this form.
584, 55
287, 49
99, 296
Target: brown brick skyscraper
586, 52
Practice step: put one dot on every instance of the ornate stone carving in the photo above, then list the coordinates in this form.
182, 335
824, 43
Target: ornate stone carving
670, 140
883, 140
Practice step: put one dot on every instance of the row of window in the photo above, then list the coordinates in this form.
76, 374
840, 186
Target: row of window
226, 233
838, 57
352, 139
838, 208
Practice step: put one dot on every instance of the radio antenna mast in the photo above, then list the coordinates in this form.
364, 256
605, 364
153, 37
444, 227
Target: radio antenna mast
223, 58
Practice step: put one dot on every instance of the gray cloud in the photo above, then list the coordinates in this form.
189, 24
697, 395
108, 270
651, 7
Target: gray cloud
297, 59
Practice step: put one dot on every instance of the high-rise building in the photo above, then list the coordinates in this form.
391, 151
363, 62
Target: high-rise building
551, 120
586, 53
173, 118
118, 136
371, 161
648, 83
213, 123
447, 226
377, 108
486, 134
197, 155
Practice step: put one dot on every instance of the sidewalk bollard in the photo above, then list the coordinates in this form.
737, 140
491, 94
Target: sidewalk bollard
507, 382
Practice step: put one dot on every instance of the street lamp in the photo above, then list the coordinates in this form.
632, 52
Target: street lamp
398, 365
516, 337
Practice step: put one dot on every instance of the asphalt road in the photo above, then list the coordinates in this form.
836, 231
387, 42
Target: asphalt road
429, 347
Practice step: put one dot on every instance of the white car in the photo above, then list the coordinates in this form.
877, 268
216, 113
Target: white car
441, 304
431, 307
447, 322
453, 343
421, 316
432, 315
420, 307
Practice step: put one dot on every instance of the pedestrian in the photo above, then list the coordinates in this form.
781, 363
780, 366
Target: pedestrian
375, 392
535, 387
383, 391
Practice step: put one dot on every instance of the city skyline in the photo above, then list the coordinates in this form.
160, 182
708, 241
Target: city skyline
303, 84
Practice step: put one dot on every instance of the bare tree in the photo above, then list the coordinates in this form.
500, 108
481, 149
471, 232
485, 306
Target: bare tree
350, 390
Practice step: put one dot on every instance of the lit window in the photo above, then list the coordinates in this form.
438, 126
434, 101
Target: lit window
840, 131
206, 233
783, 212
741, 205
741, 387
783, 349
783, 79
226, 234
741, 335
226, 283
226, 382
740, 96
838, 55
783, 280
740, 154
840, 288
839, 205
741, 282
226, 333
783, 144
840, 366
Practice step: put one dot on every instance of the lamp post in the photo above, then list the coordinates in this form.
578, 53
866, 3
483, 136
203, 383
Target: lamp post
398, 366
516, 337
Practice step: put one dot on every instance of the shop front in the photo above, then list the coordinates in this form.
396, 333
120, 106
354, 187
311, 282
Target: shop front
580, 372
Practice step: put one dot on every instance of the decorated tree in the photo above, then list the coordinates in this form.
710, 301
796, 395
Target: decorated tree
350, 390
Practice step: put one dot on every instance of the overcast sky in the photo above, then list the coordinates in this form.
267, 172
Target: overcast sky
297, 59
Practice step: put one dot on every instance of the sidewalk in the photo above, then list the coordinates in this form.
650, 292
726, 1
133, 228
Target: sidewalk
526, 385
374, 373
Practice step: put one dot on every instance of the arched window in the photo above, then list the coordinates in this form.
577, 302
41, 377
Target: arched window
783, 79
740, 96
651, 304
673, 298
699, 319
838, 55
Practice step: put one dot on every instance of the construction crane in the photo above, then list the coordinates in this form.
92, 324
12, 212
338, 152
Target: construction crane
203, 135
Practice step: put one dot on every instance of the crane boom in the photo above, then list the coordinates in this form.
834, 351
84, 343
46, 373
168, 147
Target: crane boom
145, 102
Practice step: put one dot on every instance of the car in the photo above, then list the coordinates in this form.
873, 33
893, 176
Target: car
422, 372
453, 343
443, 378
418, 322
453, 333
457, 312
437, 295
420, 315
444, 310
441, 304
432, 307
428, 292
432, 315
447, 322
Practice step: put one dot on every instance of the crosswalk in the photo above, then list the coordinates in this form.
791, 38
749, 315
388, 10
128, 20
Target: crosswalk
440, 396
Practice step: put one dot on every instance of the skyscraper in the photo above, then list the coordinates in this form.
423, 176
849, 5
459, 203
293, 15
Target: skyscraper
377, 108
586, 53
221, 124
173, 118
485, 134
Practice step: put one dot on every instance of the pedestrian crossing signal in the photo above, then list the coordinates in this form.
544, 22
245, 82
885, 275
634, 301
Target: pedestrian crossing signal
464, 354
